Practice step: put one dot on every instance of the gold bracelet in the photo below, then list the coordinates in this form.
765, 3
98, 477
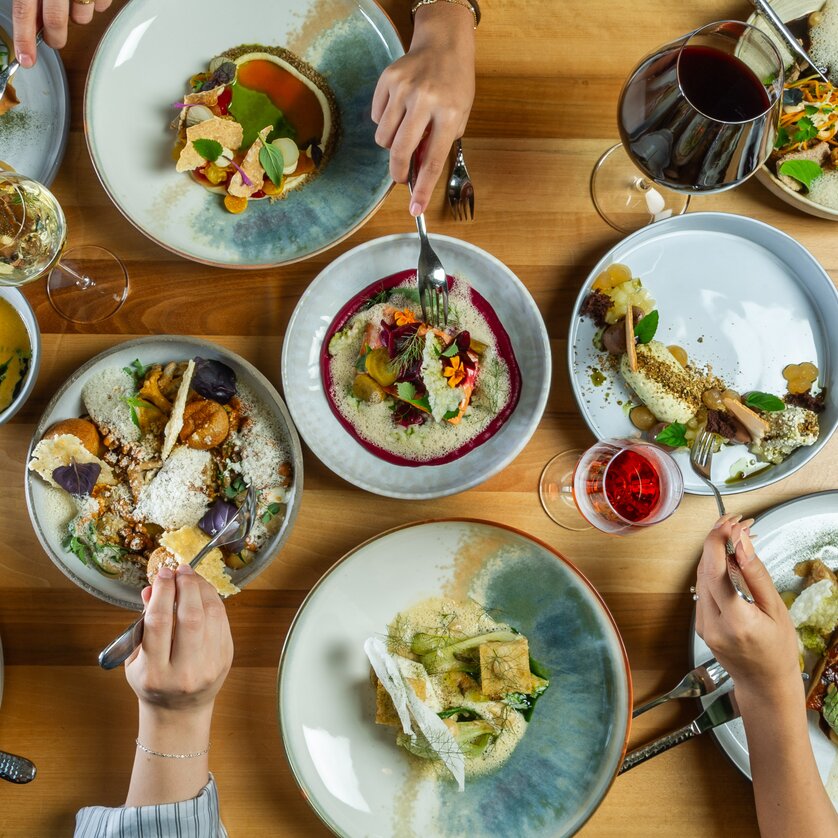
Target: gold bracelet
471, 5
173, 756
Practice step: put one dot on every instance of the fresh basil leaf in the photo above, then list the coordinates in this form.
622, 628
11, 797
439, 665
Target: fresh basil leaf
765, 402
645, 330
77, 478
208, 149
805, 171
272, 162
674, 435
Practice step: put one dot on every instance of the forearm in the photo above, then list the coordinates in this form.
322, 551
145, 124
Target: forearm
444, 25
789, 794
156, 780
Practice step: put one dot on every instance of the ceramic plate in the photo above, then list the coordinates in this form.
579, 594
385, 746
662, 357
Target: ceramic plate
34, 134
734, 293
142, 66
327, 295
804, 528
67, 403
350, 770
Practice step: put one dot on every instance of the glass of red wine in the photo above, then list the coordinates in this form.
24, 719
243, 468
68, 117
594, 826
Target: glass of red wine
699, 115
617, 486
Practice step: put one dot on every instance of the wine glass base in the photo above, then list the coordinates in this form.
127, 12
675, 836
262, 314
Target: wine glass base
555, 490
89, 284
626, 199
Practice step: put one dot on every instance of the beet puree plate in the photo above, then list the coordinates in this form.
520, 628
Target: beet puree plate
313, 319
504, 348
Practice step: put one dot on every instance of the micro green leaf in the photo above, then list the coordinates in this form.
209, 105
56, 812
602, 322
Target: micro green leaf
645, 329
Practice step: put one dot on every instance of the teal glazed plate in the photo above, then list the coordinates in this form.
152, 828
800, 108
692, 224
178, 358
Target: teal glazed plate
142, 66
350, 769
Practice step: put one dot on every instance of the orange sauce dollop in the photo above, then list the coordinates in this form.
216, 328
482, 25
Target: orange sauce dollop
294, 98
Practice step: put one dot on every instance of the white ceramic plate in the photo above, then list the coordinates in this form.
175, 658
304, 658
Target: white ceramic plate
142, 66
804, 528
336, 284
33, 135
735, 293
67, 403
350, 769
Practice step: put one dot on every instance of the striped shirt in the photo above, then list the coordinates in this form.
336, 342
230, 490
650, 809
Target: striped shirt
196, 818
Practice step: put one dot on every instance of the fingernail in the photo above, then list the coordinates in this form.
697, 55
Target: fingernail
25, 60
735, 519
415, 209
184, 568
746, 554
746, 523
164, 573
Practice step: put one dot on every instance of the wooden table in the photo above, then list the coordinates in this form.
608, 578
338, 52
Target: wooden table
548, 79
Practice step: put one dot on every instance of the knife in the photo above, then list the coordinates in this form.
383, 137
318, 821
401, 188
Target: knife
16, 769
723, 709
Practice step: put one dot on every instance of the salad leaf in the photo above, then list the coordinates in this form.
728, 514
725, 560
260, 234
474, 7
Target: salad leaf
407, 393
77, 478
137, 370
208, 149
674, 435
806, 130
811, 110
805, 171
782, 138
133, 403
272, 162
645, 330
765, 402
235, 488
451, 350
214, 380
272, 510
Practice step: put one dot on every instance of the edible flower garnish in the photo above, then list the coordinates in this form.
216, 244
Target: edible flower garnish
404, 317
454, 371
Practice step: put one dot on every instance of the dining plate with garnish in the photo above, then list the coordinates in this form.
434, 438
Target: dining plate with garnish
482, 631
247, 143
734, 327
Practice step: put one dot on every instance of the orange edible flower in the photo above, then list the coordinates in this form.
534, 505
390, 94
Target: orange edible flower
455, 371
404, 317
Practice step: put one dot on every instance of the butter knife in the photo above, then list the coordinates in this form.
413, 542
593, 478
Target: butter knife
16, 769
723, 709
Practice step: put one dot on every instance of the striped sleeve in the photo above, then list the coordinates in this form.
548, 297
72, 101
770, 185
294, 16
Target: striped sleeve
196, 818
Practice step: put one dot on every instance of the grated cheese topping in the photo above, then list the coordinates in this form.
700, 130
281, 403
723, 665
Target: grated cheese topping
176, 497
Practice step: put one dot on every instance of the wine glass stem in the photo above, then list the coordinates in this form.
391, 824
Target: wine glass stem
83, 281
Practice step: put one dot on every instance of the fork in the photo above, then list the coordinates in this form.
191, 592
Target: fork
701, 460
236, 528
460, 188
702, 680
7, 73
430, 275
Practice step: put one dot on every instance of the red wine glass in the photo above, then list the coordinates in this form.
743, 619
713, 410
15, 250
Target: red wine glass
617, 486
698, 115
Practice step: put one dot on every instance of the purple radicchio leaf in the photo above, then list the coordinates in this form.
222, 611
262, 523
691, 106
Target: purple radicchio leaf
214, 380
77, 478
216, 518
406, 414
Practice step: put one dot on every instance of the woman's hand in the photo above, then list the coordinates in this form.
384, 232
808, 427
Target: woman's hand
27, 15
428, 92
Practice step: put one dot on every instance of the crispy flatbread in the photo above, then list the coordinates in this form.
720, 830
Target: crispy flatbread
61, 450
175, 423
228, 132
204, 97
186, 543
251, 167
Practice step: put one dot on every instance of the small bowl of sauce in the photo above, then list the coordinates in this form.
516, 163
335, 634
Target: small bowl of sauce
20, 351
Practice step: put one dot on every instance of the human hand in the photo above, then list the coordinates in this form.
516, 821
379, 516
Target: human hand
428, 92
756, 643
53, 14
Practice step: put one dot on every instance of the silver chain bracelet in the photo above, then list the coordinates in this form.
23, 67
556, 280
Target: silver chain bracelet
173, 756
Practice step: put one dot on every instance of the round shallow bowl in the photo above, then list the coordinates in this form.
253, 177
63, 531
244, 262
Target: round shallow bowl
789, 10
22, 307
803, 528
150, 51
67, 403
302, 381
33, 135
735, 293
351, 771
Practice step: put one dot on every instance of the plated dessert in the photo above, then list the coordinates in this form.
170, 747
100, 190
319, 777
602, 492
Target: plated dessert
675, 399
258, 123
460, 685
160, 457
411, 393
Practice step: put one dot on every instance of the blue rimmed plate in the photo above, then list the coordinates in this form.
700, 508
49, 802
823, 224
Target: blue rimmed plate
142, 65
350, 770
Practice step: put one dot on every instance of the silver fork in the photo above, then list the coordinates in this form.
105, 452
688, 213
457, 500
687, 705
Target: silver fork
702, 680
14, 65
235, 529
460, 188
430, 275
701, 460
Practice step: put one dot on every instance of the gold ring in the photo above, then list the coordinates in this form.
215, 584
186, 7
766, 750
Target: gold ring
84, 2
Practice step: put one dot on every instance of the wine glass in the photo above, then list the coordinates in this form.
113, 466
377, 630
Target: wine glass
698, 115
617, 486
84, 284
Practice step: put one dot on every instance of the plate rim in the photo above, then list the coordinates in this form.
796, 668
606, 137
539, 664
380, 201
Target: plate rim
170, 248
433, 521
541, 402
79, 373
664, 227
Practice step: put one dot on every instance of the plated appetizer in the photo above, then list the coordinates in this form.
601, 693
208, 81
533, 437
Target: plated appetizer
258, 123
411, 393
461, 686
15, 350
675, 399
160, 459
